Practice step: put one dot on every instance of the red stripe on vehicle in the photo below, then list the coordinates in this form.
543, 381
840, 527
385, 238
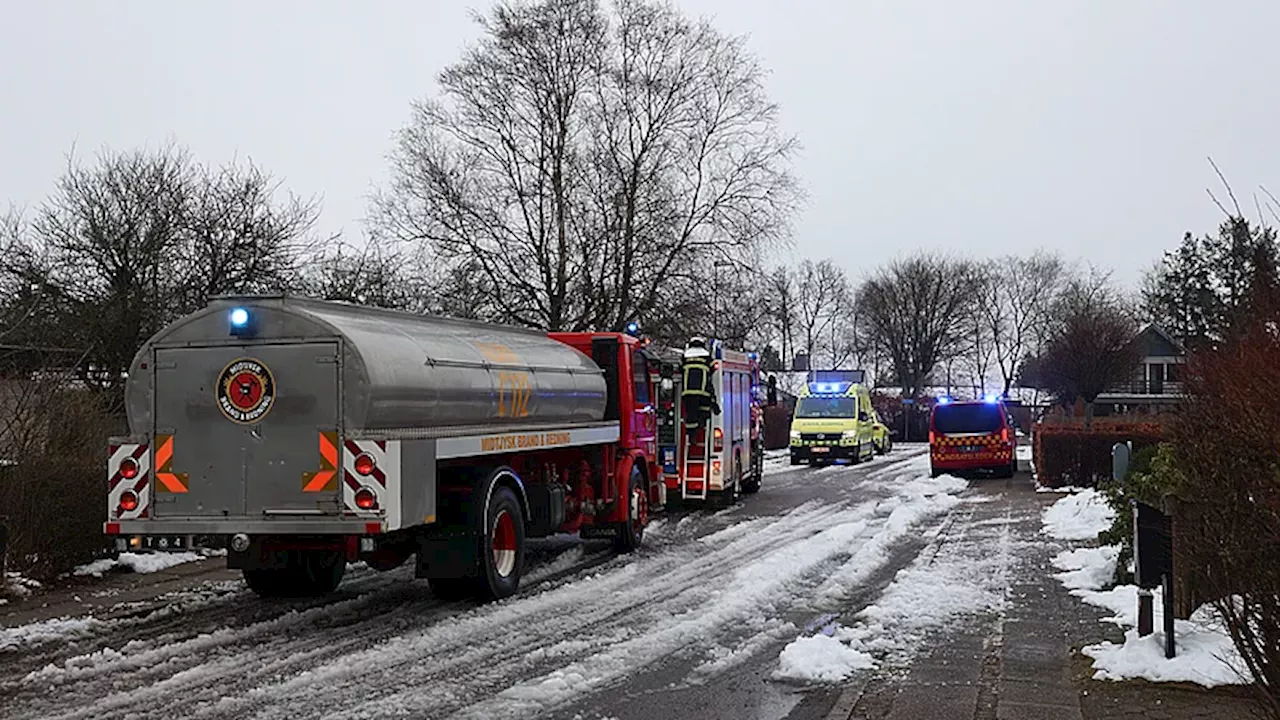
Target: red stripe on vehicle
351, 481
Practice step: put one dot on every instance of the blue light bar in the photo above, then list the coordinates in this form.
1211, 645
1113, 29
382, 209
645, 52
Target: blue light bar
991, 398
239, 317
944, 400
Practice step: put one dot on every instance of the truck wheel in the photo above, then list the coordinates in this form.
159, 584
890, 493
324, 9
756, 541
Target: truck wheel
751, 485
267, 583
631, 532
319, 572
501, 545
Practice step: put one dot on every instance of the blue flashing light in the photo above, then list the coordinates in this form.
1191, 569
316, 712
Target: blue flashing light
239, 317
990, 398
633, 328
944, 400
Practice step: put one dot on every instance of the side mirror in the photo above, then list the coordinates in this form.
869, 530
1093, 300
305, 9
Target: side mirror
773, 391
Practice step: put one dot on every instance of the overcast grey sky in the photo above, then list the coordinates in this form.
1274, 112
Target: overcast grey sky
986, 126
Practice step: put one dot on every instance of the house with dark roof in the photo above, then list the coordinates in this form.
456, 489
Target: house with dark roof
1156, 384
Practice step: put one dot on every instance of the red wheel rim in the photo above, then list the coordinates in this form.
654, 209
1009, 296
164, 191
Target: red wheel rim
504, 544
639, 508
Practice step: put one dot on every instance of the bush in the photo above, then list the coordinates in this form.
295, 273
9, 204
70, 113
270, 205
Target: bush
54, 496
1227, 447
1153, 474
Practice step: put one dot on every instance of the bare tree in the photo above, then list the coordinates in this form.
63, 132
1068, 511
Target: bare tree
130, 242
917, 310
822, 295
592, 166
1017, 300
690, 168
1090, 345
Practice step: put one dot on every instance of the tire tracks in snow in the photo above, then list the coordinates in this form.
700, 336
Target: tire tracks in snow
336, 658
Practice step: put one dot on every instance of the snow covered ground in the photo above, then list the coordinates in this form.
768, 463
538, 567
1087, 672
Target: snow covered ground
1205, 654
709, 592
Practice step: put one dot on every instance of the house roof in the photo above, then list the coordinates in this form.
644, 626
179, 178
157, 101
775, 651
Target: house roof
1155, 341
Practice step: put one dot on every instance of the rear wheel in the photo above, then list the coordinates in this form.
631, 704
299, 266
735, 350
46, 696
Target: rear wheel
631, 531
751, 485
501, 545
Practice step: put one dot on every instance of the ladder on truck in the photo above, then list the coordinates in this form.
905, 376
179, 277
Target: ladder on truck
695, 463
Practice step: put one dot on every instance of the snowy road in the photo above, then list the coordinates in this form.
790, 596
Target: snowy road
691, 626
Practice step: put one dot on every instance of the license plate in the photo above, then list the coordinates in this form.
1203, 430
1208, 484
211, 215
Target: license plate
820, 449
970, 448
164, 542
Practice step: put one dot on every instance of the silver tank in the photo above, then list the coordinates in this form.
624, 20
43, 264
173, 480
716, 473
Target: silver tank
402, 370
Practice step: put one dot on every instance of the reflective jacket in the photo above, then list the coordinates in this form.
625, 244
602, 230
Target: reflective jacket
696, 378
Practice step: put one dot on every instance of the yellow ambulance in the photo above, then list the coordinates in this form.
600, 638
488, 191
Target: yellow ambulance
833, 419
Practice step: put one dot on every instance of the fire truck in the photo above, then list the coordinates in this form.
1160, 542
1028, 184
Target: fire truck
724, 457
304, 435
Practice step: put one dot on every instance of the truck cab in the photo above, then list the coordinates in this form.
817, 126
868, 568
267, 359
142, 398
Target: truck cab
833, 420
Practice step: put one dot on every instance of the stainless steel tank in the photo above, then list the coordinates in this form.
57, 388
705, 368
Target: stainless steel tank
399, 370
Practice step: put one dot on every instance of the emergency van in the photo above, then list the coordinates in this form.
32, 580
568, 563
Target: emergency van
732, 463
833, 419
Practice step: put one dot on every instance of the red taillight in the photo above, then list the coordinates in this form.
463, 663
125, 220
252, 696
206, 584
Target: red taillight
128, 469
128, 501
1004, 435
365, 499
365, 464
718, 439
933, 437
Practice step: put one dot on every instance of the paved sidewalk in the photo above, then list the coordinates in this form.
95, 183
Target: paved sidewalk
1024, 663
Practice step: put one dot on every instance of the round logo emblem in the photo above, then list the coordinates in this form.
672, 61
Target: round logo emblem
246, 390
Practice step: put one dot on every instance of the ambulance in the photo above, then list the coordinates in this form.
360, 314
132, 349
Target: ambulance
833, 419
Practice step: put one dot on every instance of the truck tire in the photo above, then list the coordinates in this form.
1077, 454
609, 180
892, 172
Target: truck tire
751, 485
310, 573
631, 531
501, 546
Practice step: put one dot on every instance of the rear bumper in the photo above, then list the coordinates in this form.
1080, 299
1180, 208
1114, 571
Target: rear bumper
232, 526
971, 461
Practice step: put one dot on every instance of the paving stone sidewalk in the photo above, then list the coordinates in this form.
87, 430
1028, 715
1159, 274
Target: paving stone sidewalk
1024, 663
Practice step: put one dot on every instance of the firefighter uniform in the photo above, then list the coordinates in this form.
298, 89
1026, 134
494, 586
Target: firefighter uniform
698, 392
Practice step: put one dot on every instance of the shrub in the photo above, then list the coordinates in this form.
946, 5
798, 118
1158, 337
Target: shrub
1153, 474
1227, 446
54, 496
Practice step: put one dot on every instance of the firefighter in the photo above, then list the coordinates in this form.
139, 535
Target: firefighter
697, 392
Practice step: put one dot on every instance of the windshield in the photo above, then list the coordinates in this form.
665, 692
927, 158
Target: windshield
975, 418
825, 407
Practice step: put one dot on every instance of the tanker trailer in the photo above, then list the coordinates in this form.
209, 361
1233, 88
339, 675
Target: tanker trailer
303, 435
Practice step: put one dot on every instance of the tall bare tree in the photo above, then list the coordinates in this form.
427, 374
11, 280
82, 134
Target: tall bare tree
1017, 297
822, 296
1091, 342
592, 165
917, 309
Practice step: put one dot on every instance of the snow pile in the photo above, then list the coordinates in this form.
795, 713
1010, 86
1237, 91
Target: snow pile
14, 586
1080, 516
1087, 568
1061, 489
821, 658
137, 562
1205, 653
46, 631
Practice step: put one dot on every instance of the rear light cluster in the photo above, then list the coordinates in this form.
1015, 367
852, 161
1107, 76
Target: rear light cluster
365, 498
129, 469
128, 501
718, 440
